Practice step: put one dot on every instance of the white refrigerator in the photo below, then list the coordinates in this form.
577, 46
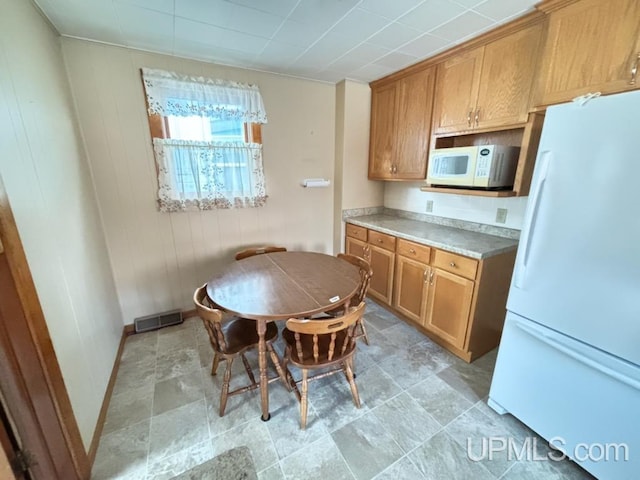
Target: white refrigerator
568, 363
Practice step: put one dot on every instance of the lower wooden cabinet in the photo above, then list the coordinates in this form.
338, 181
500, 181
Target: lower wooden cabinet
459, 302
448, 306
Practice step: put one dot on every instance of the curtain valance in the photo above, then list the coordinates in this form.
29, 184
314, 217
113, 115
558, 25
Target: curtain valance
170, 93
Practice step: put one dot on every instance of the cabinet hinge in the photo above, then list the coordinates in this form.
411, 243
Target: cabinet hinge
23, 461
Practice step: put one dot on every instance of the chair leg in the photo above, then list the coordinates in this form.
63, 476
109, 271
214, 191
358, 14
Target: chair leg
364, 331
248, 369
303, 399
216, 361
278, 365
354, 390
225, 386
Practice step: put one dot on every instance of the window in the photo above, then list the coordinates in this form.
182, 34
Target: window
207, 141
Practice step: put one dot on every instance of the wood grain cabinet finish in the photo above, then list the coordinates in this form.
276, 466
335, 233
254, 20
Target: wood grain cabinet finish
591, 46
488, 87
459, 302
401, 127
379, 251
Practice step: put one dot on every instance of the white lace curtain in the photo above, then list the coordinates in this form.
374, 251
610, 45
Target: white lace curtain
205, 174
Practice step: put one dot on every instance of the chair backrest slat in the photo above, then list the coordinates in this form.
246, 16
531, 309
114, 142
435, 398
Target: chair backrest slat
211, 317
328, 328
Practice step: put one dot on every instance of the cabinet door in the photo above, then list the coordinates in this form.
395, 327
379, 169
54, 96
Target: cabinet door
412, 284
591, 46
508, 69
448, 306
382, 133
413, 125
382, 263
353, 246
457, 92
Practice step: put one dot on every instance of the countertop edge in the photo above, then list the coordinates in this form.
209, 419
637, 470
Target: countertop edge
432, 243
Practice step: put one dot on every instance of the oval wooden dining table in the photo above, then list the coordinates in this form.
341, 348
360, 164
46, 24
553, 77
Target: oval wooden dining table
279, 286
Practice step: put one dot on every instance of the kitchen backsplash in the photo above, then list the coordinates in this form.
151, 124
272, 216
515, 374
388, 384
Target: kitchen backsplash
482, 210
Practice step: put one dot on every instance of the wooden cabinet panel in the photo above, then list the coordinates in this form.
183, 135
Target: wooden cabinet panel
457, 91
382, 240
382, 132
401, 127
591, 46
412, 250
454, 263
508, 70
355, 231
448, 306
411, 287
382, 263
414, 110
355, 247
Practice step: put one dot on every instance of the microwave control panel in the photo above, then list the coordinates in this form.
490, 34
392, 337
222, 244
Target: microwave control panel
484, 162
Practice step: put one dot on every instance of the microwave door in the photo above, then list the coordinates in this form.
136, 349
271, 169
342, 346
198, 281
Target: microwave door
456, 169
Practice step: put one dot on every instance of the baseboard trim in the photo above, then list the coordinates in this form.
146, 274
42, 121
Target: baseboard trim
95, 441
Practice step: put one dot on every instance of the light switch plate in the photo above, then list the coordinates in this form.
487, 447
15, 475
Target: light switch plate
501, 215
429, 206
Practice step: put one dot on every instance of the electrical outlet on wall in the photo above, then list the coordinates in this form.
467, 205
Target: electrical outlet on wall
429, 206
501, 215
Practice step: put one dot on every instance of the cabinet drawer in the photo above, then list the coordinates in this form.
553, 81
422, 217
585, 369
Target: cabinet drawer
382, 240
356, 232
451, 262
418, 252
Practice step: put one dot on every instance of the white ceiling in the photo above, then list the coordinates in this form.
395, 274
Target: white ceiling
327, 40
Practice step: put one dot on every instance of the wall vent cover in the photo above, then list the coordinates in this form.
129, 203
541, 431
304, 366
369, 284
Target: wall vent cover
157, 320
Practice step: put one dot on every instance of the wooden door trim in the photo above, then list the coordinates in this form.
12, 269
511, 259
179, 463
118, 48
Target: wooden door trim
44, 361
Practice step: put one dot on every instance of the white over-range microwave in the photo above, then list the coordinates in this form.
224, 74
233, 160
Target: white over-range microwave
483, 167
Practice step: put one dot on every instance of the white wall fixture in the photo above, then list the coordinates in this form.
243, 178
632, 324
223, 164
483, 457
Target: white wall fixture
315, 182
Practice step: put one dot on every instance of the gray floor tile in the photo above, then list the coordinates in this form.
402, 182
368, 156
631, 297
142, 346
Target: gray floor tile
403, 469
409, 366
379, 320
376, 386
274, 472
128, 408
123, 453
441, 401
319, 461
178, 429
366, 446
406, 421
441, 457
175, 363
332, 401
177, 391
254, 435
168, 467
471, 381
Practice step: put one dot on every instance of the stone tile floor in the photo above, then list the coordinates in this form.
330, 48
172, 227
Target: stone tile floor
423, 415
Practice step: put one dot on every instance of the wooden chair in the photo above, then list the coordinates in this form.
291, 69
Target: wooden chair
365, 279
231, 337
312, 344
250, 252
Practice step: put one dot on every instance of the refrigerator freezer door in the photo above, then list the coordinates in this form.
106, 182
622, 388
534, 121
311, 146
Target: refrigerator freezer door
573, 393
578, 264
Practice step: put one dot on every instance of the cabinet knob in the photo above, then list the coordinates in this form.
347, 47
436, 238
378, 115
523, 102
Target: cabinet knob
380, 240
634, 70
425, 276
452, 264
469, 117
431, 278
477, 117
411, 250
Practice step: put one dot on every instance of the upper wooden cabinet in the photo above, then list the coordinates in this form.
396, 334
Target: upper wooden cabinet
591, 46
487, 87
401, 127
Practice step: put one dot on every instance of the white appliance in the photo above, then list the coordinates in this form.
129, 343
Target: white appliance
568, 364
484, 166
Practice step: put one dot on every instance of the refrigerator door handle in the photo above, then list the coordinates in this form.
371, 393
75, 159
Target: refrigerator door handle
578, 356
530, 219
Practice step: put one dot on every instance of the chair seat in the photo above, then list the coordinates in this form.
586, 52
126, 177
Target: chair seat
241, 334
307, 359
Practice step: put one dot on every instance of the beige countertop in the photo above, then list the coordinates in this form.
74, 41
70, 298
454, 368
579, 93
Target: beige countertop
464, 242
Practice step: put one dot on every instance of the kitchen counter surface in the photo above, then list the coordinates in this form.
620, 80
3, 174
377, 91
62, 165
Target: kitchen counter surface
456, 240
